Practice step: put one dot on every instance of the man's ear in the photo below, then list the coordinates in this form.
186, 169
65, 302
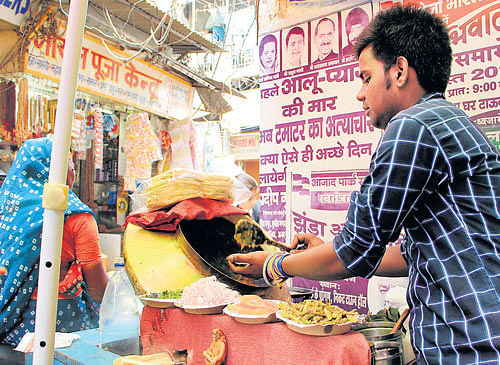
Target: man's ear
401, 71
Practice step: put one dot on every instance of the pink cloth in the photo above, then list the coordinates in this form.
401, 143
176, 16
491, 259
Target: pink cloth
268, 343
196, 208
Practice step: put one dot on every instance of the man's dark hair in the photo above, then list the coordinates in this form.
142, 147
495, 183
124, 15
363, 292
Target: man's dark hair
324, 20
297, 31
356, 16
416, 34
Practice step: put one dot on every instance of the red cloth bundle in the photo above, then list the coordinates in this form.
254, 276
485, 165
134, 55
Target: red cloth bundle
196, 208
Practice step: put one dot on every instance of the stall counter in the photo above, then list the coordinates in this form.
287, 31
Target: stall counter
269, 343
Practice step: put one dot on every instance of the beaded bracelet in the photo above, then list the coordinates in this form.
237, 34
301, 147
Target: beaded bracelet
272, 271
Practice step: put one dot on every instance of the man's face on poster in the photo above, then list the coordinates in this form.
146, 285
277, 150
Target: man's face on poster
295, 49
324, 38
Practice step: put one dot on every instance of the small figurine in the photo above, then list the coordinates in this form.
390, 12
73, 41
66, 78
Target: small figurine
216, 352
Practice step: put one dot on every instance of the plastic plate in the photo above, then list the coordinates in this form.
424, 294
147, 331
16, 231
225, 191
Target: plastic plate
315, 329
157, 302
252, 319
201, 309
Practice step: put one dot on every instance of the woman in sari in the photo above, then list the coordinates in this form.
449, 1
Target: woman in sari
82, 274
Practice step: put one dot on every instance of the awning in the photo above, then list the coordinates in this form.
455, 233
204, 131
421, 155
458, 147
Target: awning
200, 81
214, 102
141, 16
137, 18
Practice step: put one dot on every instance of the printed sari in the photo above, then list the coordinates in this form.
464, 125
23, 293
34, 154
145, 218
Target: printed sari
21, 218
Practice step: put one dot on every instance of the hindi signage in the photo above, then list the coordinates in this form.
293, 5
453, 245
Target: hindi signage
134, 83
316, 142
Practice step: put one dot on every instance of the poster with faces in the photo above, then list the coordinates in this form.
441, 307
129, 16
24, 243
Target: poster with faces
269, 53
354, 20
295, 41
325, 39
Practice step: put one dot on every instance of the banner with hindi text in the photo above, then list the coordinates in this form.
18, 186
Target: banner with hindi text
315, 140
134, 83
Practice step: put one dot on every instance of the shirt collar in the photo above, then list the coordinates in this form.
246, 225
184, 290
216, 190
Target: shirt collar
429, 96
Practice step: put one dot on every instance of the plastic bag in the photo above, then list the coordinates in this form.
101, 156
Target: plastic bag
241, 192
138, 197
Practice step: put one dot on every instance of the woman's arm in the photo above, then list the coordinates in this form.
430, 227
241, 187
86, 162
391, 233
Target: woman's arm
96, 279
88, 252
317, 263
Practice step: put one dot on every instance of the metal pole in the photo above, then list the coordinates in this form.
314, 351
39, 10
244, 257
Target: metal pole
193, 16
50, 256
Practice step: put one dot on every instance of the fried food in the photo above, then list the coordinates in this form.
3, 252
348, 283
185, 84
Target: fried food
317, 312
178, 184
248, 234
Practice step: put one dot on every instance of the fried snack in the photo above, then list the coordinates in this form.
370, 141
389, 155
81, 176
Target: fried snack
178, 184
317, 312
249, 234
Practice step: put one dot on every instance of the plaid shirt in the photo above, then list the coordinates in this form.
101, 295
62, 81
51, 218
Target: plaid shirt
435, 174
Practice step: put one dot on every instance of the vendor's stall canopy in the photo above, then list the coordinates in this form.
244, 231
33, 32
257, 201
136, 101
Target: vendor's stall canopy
209, 90
136, 27
137, 18
132, 22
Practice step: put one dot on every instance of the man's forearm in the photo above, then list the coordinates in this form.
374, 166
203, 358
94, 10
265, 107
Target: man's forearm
318, 263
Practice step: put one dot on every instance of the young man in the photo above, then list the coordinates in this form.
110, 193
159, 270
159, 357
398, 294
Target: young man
436, 175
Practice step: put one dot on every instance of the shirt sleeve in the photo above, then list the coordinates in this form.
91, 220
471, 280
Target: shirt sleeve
403, 173
85, 235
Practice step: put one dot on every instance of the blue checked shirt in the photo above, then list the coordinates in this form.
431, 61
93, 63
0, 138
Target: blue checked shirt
435, 174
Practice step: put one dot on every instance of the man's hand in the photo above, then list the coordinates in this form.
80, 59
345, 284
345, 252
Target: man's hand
249, 264
305, 241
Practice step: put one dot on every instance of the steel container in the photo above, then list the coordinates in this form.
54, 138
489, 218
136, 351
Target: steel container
387, 347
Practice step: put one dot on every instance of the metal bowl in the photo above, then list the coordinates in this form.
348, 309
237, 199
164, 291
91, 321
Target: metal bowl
378, 324
387, 353
376, 334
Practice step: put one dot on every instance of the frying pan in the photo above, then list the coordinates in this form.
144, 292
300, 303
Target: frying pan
209, 242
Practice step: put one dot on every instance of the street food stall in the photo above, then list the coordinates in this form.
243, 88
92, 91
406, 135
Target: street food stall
201, 247
175, 254
195, 251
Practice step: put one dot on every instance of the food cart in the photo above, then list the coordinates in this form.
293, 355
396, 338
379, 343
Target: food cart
197, 248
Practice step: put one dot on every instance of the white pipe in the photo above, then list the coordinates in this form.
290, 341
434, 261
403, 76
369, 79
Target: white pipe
193, 16
50, 256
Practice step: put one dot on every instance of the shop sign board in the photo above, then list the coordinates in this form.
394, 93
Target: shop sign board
245, 146
14, 11
101, 73
316, 142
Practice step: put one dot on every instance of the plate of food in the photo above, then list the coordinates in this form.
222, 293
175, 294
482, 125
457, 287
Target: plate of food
252, 309
316, 318
164, 299
201, 309
206, 296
